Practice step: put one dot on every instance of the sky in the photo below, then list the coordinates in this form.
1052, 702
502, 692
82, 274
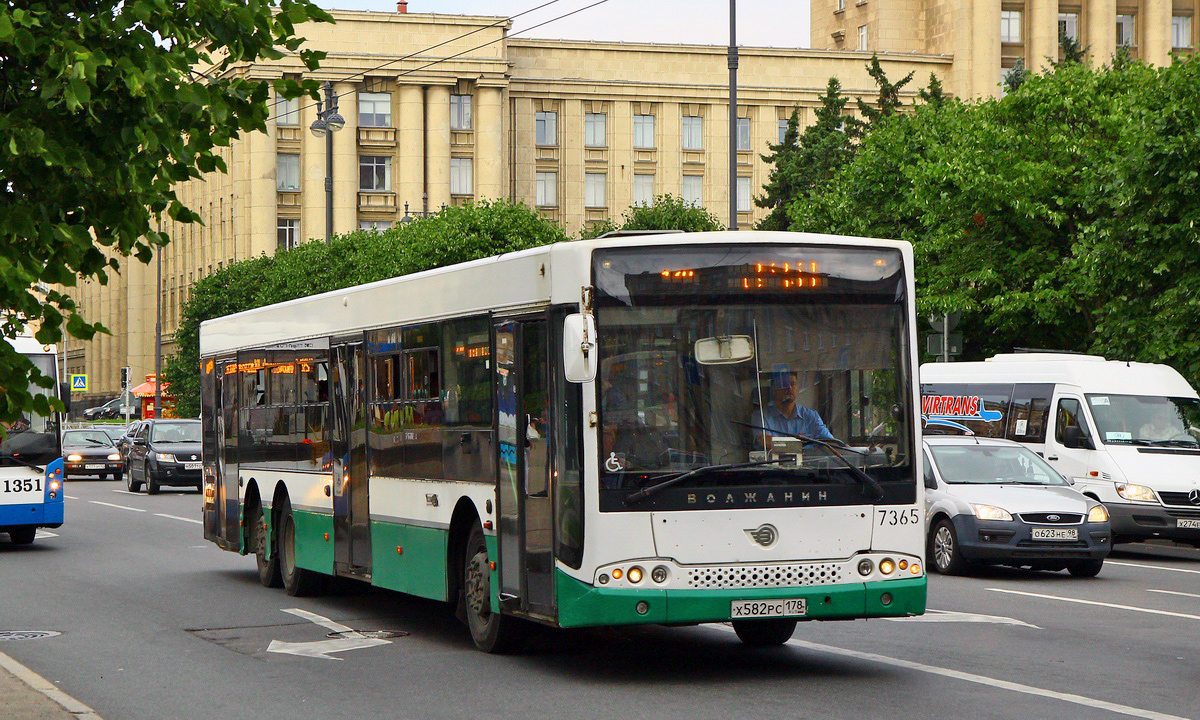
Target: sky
762, 23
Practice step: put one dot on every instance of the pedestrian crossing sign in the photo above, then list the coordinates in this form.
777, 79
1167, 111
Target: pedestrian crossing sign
79, 383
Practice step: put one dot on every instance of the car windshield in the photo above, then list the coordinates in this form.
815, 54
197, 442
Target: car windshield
992, 465
175, 432
86, 437
1146, 419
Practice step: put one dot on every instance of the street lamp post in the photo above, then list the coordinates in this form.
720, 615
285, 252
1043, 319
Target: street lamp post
327, 123
733, 118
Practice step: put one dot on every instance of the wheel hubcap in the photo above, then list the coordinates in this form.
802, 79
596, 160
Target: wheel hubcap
289, 564
478, 586
943, 547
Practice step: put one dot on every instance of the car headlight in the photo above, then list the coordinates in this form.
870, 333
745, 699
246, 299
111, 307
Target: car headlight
1140, 493
74, 457
991, 512
164, 457
1098, 514
114, 456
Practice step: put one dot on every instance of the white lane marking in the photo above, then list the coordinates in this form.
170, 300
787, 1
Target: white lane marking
70, 497
1153, 567
126, 492
123, 507
948, 616
45, 534
176, 517
1100, 604
1174, 592
980, 679
321, 648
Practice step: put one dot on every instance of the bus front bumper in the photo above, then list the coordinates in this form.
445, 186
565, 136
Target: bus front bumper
583, 605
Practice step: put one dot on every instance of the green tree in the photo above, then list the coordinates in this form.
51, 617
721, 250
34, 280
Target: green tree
1072, 51
454, 235
102, 113
1016, 76
933, 94
887, 103
667, 212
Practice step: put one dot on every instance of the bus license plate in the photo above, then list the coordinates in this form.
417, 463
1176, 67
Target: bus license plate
191, 466
1187, 523
1055, 534
789, 607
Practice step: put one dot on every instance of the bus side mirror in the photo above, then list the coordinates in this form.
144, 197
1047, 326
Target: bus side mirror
1073, 437
579, 348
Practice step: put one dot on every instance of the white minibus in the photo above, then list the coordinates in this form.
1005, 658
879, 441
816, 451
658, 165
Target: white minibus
1125, 433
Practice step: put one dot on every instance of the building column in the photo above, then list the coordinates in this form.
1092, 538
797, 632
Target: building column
1042, 47
411, 175
261, 161
345, 163
437, 145
489, 145
1101, 39
985, 55
1155, 43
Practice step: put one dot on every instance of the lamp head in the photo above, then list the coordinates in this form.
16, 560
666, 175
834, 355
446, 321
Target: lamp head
335, 122
319, 127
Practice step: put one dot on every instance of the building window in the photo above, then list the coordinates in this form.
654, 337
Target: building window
374, 172
1068, 25
547, 189
693, 190
643, 189
1181, 31
743, 134
594, 187
1125, 29
374, 225
595, 129
643, 131
862, 37
287, 171
460, 112
461, 180
781, 130
743, 194
1010, 26
287, 233
374, 109
287, 112
546, 128
693, 132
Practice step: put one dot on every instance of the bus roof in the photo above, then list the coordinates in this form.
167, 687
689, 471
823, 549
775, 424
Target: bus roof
527, 278
1089, 373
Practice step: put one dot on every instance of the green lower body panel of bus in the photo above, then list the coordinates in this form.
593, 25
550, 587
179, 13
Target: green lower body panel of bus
409, 559
583, 605
314, 541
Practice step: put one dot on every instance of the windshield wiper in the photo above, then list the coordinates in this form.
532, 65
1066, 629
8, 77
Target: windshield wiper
866, 480
635, 497
19, 461
97, 442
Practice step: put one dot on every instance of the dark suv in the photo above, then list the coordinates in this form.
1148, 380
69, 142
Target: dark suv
164, 452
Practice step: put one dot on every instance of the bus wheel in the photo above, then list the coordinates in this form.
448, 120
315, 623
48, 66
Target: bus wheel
297, 581
268, 567
151, 483
764, 633
492, 632
22, 536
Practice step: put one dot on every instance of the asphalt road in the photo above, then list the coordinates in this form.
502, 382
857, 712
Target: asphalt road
157, 624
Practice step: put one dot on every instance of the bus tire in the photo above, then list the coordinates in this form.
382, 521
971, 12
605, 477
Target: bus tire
151, 484
1085, 568
297, 581
22, 536
764, 633
492, 632
944, 555
268, 566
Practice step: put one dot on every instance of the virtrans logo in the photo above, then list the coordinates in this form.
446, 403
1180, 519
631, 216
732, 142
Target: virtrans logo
944, 410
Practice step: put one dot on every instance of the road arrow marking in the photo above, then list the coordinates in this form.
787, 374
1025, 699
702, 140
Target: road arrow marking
321, 648
949, 616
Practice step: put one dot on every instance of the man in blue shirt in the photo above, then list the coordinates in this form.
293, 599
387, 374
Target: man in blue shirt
783, 415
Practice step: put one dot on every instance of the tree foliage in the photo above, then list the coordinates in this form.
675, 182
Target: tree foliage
454, 235
667, 212
101, 114
887, 102
1061, 216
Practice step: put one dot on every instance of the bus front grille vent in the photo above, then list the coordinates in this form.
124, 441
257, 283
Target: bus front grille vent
764, 576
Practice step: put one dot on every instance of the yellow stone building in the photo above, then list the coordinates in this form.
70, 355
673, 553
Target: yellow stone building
446, 109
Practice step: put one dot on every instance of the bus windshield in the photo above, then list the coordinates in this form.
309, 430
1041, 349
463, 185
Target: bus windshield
820, 352
1146, 419
32, 438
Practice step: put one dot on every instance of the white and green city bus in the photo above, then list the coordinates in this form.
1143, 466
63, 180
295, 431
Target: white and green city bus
581, 435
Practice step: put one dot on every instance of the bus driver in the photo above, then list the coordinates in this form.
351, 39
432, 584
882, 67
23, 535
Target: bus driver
787, 418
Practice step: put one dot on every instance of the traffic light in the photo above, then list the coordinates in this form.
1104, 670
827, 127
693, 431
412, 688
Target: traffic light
126, 376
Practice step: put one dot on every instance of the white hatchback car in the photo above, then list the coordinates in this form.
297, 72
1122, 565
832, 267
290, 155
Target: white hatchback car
990, 501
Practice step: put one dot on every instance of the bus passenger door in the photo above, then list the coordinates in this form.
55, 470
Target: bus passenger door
351, 519
228, 482
525, 532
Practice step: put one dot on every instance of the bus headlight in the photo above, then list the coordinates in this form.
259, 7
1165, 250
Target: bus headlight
1139, 493
659, 574
887, 566
1098, 514
635, 575
865, 567
74, 457
991, 512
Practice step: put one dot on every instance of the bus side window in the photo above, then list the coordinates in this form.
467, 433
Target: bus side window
1069, 413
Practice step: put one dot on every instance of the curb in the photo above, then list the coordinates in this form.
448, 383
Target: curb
47, 688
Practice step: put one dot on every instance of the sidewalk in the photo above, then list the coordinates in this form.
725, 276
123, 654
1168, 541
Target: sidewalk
25, 695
